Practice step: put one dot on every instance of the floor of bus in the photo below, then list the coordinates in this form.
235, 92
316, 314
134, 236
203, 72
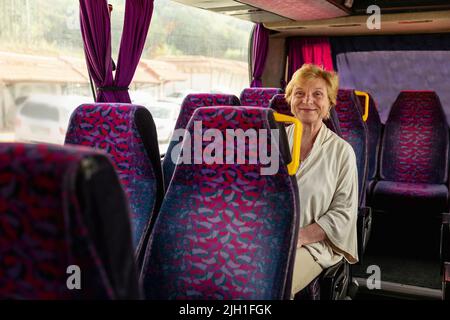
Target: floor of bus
406, 249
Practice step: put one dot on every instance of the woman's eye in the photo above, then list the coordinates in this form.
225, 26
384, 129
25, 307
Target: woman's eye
318, 94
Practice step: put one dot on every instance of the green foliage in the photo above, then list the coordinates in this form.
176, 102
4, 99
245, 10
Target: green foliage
52, 26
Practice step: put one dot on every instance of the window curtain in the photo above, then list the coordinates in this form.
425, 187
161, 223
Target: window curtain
96, 32
259, 53
138, 14
315, 50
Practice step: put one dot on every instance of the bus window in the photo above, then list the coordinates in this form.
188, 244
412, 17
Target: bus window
187, 50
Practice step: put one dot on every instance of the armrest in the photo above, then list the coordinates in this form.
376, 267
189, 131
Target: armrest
364, 226
446, 281
445, 238
445, 255
334, 281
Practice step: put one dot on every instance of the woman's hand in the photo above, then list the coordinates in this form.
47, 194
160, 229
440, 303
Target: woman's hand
310, 234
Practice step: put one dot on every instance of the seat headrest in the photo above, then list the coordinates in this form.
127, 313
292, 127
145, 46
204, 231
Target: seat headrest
258, 96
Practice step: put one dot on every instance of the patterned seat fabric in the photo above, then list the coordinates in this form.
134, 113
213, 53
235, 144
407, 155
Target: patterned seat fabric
280, 105
414, 151
333, 122
127, 133
225, 231
56, 213
258, 97
374, 129
354, 131
420, 196
189, 105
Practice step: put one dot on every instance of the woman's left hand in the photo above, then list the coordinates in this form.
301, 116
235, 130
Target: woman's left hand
310, 234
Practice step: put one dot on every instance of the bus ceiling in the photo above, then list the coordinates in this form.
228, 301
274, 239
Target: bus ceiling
335, 17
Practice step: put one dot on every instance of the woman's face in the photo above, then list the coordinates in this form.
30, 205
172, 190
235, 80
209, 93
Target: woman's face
309, 102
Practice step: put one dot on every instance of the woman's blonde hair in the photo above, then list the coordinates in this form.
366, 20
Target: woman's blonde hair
311, 71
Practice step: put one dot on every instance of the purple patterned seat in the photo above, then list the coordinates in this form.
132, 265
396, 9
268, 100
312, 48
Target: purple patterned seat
62, 207
225, 231
354, 131
258, 97
429, 197
374, 130
189, 105
280, 105
414, 156
127, 133
333, 122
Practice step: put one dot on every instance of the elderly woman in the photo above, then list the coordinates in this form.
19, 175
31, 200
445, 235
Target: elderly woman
327, 179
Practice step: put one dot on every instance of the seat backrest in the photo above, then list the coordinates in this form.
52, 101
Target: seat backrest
226, 231
127, 134
354, 131
258, 97
333, 122
190, 103
63, 212
280, 105
415, 141
374, 129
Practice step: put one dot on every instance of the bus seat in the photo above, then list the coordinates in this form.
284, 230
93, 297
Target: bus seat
63, 213
280, 105
354, 131
258, 97
374, 130
414, 156
190, 103
128, 135
226, 231
333, 122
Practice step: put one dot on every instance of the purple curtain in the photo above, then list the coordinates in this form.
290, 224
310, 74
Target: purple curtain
138, 14
309, 50
259, 53
96, 32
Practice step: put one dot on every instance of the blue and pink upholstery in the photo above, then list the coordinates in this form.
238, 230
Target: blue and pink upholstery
62, 207
258, 97
225, 231
355, 132
280, 105
190, 103
374, 130
414, 156
127, 134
